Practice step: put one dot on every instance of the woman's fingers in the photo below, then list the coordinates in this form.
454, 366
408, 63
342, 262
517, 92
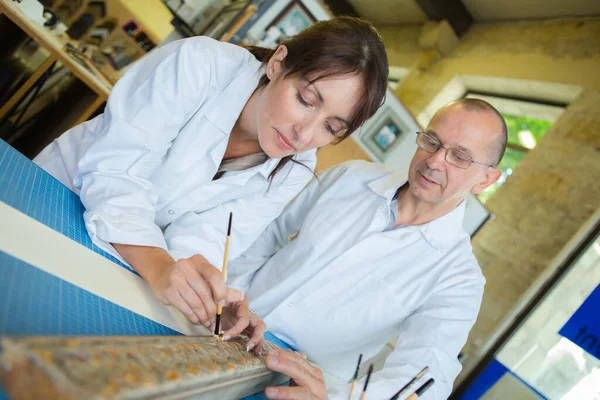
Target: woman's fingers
212, 276
194, 302
257, 328
174, 298
198, 284
238, 316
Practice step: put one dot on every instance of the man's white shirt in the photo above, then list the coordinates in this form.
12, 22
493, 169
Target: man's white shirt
346, 285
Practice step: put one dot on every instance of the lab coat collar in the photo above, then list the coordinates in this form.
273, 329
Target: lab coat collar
440, 233
227, 106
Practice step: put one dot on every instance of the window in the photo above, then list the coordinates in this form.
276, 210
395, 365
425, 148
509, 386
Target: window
537, 361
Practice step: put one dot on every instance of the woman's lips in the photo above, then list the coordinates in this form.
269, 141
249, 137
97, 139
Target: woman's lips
283, 142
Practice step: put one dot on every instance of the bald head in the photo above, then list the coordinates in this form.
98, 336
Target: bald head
498, 144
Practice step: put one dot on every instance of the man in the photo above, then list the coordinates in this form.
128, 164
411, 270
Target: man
378, 256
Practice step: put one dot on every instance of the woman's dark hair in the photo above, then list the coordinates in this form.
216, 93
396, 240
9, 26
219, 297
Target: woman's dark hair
339, 46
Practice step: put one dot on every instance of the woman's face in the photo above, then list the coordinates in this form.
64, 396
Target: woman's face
295, 116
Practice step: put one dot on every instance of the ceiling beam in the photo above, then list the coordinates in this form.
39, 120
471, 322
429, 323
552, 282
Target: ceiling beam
454, 11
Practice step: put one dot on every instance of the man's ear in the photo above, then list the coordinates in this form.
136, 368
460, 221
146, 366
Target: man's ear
491, 176
275, 64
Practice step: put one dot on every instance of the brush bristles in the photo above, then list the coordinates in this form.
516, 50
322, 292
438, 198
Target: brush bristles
217, 324
357, 368
368, 377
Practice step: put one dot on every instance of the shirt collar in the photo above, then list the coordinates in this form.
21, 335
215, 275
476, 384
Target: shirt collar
265, 169
443, 232
440, 233
387, 185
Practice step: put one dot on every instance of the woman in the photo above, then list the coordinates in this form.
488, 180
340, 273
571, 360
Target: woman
198, 129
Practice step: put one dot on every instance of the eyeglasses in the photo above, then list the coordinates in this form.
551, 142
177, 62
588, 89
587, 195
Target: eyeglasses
453, 156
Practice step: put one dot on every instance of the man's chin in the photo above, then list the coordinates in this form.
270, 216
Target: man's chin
427, 195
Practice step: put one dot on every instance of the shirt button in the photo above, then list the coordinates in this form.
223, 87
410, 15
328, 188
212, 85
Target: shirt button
171, 212
290, 304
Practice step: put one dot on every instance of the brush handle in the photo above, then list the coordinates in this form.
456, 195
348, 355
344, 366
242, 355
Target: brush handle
363, 395
225, 256
352, 388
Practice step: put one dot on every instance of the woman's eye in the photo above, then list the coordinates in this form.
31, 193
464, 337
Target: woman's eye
330, 129
302, 101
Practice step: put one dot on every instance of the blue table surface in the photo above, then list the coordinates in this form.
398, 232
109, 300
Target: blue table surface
34, 302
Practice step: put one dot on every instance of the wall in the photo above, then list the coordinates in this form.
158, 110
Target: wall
557, 186
331, 155
554, 51
153, 15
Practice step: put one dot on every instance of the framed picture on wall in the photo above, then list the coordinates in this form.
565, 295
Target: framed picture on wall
294, 18
382, 135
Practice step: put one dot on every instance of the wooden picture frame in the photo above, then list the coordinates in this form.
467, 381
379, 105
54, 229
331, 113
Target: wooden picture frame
384, 134
294, 18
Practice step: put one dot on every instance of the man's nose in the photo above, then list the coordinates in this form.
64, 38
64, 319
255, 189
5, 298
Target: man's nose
437, 159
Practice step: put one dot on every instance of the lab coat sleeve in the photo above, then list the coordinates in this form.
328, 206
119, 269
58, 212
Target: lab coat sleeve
278, 233
145, 111
432, 336
204, 233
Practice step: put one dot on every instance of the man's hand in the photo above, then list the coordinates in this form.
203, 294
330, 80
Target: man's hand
237, 318
194, 287
307, 380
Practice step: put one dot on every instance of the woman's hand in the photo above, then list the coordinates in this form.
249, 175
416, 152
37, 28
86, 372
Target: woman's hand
237, 318
307, 380
194, 287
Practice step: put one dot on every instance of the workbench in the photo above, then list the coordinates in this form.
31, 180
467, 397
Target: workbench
54, 280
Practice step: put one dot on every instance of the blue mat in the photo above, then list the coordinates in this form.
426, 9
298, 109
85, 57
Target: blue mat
34, 302
31, 190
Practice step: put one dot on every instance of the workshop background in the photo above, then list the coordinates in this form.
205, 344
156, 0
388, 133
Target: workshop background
535, 233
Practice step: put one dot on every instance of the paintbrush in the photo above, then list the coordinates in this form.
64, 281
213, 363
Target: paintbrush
224, 272
364, 392
354, 379
421, 390
410, 383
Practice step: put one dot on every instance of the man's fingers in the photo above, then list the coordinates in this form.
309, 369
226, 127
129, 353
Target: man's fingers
179, 303
288, 393
300, 359
278, 362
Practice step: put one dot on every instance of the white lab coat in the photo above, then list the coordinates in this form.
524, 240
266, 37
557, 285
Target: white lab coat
144, 168
343, 286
